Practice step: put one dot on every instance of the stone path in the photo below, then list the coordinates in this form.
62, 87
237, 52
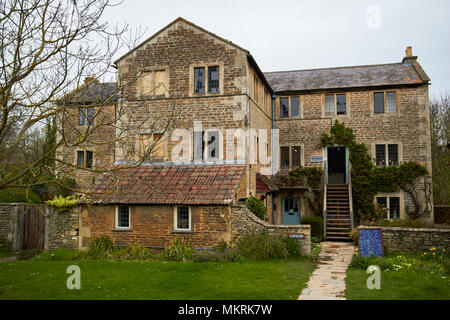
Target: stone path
328, 280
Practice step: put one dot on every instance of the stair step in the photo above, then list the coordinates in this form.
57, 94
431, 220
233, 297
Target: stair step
338, 228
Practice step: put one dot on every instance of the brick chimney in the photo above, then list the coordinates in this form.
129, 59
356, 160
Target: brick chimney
409, 58
91, 79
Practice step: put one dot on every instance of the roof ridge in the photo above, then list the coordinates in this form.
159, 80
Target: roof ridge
341, 67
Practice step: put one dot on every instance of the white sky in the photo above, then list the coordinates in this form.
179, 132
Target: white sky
292, 35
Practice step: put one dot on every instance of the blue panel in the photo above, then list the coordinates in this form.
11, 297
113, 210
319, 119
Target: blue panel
370, 242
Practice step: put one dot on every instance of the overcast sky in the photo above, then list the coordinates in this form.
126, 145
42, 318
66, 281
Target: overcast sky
293, 35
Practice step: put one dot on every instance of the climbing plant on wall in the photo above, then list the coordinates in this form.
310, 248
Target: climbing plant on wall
368, 180
313, 177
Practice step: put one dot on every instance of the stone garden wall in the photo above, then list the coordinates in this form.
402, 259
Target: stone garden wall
415, 239
60, 230
244, 221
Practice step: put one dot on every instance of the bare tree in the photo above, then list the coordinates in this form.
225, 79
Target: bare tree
440, 140
48, 48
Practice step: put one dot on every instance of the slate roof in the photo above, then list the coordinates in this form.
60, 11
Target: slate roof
345, 77
169, 184
92, 92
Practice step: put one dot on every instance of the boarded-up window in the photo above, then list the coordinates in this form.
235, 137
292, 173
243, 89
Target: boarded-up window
199, 80
378, 100
295, 157
284, 107
284, 156
158, 151
146, 83
380, 153
295, 106
144, 145
160, 83
329, 104
393, 154
341, 104
391, 101
213, 79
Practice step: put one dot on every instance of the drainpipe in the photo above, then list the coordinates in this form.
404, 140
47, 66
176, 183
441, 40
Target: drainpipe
274, 97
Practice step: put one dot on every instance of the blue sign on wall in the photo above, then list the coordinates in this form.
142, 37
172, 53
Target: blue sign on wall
370, 242
316, 159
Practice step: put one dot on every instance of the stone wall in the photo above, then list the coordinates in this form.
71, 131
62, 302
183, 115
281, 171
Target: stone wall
441, 214
243, 221
61, 228
415, 239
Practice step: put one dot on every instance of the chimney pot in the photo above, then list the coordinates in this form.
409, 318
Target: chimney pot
408, 52
92, 78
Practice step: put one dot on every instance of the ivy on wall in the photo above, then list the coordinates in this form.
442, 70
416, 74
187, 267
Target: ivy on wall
368, 180
313, 179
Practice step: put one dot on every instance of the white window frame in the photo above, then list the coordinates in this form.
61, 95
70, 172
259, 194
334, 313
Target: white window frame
175, 219
116, 224
388, 208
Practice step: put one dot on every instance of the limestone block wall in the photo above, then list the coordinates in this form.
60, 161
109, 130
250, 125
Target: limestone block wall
243, 221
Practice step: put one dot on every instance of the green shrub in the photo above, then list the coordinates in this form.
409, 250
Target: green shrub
135, 252
177, 251
354, 236
101, 248
262, 246
315, 250
18, 195
316, 226
63, 203
292, 246
365, 262
205, 256
257, 207
5, 250
27, 254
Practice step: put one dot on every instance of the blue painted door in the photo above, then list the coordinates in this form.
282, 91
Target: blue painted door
291, 211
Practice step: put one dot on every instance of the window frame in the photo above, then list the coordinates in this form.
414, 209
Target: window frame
335, 112
116, 220
388, 204
290, 162
386, 153
83, 114
385, 92
154, 87
84, 151
175, 219
289, 107
207, 90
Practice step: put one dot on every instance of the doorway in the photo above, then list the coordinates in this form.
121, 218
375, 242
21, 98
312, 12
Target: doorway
291, 211
336, 165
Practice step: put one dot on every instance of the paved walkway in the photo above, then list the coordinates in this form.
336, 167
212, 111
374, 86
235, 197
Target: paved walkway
328, 280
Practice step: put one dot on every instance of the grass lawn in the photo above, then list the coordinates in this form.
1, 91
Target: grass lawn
277, 279
397, 285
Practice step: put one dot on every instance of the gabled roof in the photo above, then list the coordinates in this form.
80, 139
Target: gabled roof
169, 184
91, 92
392, 74
180, 19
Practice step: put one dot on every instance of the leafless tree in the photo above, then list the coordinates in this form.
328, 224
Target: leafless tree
48, 48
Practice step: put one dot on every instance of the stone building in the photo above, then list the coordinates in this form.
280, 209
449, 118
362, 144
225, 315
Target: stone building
191, 107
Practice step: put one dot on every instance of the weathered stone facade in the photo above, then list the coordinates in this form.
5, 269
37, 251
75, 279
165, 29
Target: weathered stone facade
415, 239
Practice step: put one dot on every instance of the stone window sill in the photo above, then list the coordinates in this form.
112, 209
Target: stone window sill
122, 230
182, 231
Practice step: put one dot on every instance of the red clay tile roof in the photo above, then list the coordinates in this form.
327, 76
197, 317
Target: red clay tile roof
169, 184
261, 187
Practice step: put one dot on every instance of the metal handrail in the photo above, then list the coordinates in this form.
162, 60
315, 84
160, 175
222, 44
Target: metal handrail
350, 197
324, 207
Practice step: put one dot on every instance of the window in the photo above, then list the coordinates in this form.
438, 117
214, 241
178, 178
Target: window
290, 153
382, 99
153, 146
289, 103
182, 218
284, 156
335, 104
380, 152
153, 83
123, 217
295, 157
211, 147
199, 80
341, 104
85, 115
381, 156
213, 79
85, 159
295, 106
392, 206
284, 107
